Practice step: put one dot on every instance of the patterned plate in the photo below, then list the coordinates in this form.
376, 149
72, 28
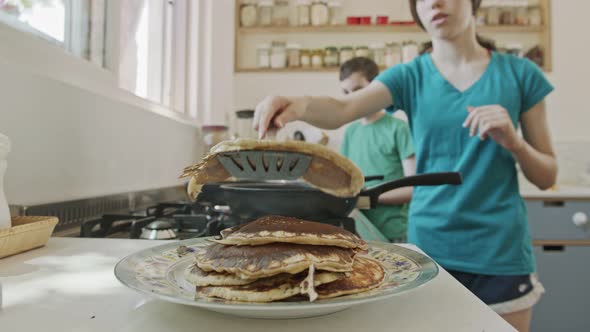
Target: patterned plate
159, 271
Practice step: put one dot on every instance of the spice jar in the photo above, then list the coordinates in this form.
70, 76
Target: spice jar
319, 13
493, 16
393, 54
293, 55
507, 16
213, 135
281, 13
263, 55
362, 51
535, 17
336, 13
305, 58
331, 57
303, 12
346, 53
378, 54
248, 13
317, 58
409, 51
278, 55
522, 16
265, 9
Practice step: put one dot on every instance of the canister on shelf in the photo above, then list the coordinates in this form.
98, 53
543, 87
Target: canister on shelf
293, 55
378, 54
265, 9
393, 54
280, 14
346, 53
331, 56
305, 58
336, 13
317, 58
303, 12
278, 55
248, 13
263, 55
320, 14
362, 51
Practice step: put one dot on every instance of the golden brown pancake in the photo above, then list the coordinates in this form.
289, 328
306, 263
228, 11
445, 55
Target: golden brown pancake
253, 262
272, 229
367, 274
329, 171
198, 277
275, 288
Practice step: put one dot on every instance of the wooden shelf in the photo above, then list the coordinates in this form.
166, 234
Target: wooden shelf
381, 28
291, 70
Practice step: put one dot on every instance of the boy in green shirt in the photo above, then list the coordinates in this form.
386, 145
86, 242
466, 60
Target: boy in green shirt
379, 144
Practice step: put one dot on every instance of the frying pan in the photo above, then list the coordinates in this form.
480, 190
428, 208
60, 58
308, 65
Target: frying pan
299, 200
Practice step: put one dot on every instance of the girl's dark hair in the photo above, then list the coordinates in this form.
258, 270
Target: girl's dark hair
426, 47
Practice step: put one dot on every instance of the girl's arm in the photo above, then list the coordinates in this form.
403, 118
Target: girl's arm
323, 112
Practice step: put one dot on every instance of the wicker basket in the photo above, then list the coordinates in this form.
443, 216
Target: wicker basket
26, 233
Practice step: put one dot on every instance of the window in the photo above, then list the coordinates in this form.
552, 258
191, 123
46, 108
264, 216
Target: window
76, 25
148, 47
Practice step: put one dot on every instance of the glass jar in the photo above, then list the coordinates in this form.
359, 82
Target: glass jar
263, 56
317, 58
346, 53
213, 135
278, 55
493, 16
331, 56
320, 14
265, 9
521, 16
293, 55
535, 17
305, 58
378, 54
507, 16
244, 120
362, 51
480, 16
393, 54
281, 13
248, 14
303, 12
336, 13
409, 51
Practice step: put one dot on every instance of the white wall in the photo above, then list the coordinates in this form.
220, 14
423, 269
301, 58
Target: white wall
568, 111
69, 143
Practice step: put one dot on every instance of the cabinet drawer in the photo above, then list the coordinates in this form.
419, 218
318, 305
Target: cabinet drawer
555, 220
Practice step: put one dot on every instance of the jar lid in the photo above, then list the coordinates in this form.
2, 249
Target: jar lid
214, 127
4, 145
266, 3
245, 114
331, 48
293, 46
334, 4
347, 48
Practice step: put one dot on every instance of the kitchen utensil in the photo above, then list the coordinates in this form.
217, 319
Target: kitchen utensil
159, 272
300, 200
265, 165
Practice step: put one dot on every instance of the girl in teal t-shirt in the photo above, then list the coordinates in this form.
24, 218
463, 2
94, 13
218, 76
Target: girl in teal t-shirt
464, 103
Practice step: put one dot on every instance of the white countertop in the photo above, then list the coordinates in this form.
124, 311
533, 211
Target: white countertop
69, 285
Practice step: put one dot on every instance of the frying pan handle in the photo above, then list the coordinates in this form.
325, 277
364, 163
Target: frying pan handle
374, 177
432, 179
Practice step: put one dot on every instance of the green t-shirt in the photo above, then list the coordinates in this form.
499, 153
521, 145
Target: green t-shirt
378, 148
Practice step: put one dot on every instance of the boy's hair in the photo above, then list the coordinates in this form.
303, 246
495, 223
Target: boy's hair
367, 67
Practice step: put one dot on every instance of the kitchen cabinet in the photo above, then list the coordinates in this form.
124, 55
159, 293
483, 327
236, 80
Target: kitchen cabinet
561, 240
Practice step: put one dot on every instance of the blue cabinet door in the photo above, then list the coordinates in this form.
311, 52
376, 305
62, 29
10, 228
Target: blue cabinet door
565, 306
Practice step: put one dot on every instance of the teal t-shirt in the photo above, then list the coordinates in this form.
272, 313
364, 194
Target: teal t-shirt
480, 226
378, 148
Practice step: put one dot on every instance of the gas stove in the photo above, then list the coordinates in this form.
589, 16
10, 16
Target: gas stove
151, 215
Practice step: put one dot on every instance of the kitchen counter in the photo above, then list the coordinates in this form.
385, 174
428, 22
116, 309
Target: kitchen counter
558, 194
69, 285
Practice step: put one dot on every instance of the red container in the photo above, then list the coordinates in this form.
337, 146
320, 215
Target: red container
382, 20
353, 20
365, 20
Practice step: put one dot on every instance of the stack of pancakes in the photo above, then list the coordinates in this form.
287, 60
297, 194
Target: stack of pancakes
278, 258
